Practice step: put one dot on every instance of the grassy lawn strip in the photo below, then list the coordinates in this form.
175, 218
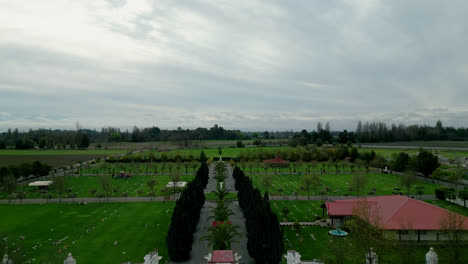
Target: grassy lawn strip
450, 206
299, 211
137, 227
60, 152
339, 184
82, 185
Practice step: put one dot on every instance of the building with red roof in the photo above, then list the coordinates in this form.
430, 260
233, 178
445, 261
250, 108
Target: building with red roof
395, 213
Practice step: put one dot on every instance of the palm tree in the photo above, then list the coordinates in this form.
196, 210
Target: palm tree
221, 193
221, 236
221, 212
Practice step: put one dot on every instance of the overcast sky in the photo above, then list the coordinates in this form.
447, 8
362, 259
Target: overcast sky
252, 65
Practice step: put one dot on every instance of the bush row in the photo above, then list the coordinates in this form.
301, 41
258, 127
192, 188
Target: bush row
265, 238
185, 217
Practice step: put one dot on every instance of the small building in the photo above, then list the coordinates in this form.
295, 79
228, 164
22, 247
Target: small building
276, 162
398, 215
41, 184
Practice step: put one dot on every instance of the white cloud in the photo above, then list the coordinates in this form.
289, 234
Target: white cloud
256, 64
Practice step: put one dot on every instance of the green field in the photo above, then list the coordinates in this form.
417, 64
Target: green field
137, 227
450, 206
339, 184
60, 152
83, 185
440, 144
299, 211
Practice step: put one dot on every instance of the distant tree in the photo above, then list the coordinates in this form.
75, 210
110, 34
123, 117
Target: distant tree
9, 185
453, 229
310, 180
203, 157
425, 162
59, 185
359, 182
106, 185
151, 183
407, 179
463, 195
400, 161
267, 181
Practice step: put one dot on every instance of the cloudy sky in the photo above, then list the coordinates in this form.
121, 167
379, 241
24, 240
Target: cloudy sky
253, 65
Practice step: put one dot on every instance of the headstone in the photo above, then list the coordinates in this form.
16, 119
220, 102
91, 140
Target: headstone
432, 257
6, 260
293, 257
152, 258
177, 196
69, 259
208, 257
371, 257
237, 257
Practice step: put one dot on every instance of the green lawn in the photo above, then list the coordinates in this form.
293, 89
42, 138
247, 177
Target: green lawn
450, 206
137, 227
82, 185
142, 168
60, 152
339, 184
310, 242
299, 211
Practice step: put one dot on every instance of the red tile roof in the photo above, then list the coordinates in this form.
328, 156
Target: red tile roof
222, 256
396, 212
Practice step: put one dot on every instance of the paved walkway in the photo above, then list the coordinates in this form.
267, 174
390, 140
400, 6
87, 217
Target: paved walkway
326, 198
90, 200
200, 247
229, 185
239, 220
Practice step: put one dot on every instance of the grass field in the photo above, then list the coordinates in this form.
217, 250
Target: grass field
439, 144
53, 160
82, 185
137, 227
338, 184
450, 206
14, 152
312, 242
299, 211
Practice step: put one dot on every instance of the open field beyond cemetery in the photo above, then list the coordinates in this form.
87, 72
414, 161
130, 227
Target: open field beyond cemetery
87, 231
339, 184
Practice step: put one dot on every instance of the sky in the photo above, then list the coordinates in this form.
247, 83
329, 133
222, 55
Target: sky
249, 65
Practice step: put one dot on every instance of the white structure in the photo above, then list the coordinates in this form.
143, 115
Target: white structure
177, 184
371, 257
6, 260
293, 257
432, 257
41, 183
152, 258
69, 260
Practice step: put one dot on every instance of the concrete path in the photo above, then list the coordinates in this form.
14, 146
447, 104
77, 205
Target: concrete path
90, 200
200, 247
229, 184
239, 220
326, 198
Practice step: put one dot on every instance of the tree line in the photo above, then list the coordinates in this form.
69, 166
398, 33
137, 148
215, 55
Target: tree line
185, 217
265, 238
